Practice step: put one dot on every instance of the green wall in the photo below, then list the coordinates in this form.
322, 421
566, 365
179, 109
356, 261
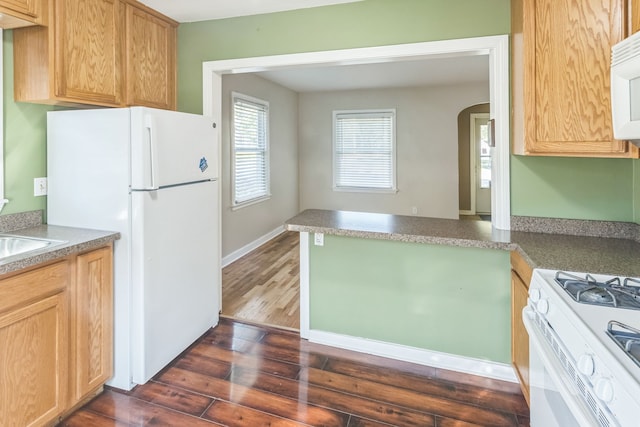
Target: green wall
551, 187
636, 191
443, 298
600, 189
360, 24
25, 131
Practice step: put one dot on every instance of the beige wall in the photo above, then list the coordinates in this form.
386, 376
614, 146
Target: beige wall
464, 134
427, 148
243, 226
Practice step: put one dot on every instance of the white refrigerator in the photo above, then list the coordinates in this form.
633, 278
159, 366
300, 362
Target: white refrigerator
151, 175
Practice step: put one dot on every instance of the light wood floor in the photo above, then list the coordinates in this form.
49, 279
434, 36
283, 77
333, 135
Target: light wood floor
264, 285
240, 375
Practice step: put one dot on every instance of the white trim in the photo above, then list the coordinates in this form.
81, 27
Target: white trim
237, 254
500, 112
3, 201
496, 47
304, 285
462, 212
436, 359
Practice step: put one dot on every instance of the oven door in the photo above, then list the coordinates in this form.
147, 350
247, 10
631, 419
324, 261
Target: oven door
554, 397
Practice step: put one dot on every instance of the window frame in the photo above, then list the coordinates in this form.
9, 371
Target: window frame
267, 151
379, 111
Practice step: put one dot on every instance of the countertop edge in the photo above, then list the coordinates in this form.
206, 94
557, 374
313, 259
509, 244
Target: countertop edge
408, 238
74, 241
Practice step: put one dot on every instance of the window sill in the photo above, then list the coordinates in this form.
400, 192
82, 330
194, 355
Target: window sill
251, 202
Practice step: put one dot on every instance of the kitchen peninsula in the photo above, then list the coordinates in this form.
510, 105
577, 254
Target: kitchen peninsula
424, 289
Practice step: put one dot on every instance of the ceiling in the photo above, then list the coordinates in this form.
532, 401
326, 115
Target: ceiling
405, 73
204, 10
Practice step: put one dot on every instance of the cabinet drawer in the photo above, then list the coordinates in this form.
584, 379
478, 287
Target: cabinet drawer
25, 287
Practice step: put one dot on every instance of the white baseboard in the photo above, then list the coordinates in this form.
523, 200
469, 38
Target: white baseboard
469, 212
237, 254
468, 365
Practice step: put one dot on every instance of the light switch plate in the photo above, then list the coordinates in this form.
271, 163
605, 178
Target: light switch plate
318, 239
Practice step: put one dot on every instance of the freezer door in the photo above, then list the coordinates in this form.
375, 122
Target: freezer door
175, 272
169, 147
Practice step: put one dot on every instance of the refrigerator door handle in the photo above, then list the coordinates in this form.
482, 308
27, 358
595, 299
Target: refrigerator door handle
153, 152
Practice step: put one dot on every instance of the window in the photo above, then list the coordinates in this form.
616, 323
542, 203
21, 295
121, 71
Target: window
250, 147
364, 150
485, 157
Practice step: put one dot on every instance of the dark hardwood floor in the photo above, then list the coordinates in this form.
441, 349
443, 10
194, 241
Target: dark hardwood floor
241, 374
264, 285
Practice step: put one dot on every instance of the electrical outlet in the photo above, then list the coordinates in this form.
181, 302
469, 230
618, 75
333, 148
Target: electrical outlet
40, 186
414, 210
318, 239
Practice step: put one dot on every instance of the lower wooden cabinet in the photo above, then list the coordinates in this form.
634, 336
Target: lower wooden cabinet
92, 326
34, 349
520, 278
55, 337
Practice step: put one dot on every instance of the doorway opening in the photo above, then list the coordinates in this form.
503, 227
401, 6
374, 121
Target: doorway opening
495, 47
480, 148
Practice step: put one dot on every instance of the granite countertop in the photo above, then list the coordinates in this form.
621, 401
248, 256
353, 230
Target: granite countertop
555, 251
72, 240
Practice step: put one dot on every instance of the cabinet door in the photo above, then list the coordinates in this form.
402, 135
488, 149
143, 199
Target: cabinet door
22, 13
563, 82
93, 321
88, 51
519, 336
151, 58
34, 355
26, 7
634, 16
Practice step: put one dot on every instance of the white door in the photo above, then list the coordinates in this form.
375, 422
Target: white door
175, 272
481, 164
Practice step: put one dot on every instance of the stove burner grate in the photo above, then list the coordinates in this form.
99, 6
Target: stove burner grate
610, 293
628, 339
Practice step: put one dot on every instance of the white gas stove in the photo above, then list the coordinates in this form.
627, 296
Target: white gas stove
584, 345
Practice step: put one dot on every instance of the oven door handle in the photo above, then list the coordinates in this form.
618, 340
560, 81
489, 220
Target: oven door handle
561, 380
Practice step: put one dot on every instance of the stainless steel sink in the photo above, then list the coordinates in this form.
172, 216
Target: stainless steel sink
14, 245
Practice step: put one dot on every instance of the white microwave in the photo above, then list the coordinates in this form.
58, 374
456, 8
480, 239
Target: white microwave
625, 89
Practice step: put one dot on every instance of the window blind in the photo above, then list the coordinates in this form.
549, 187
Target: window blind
364, 150
251, 149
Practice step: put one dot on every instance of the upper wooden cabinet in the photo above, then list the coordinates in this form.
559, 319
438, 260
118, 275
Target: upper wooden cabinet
151, 58
561, 53
88, 51
110, 53
22, 13
635, 16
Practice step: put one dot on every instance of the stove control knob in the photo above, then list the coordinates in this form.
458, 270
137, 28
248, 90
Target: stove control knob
604, 389
542, 306
534, 294
586, 366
